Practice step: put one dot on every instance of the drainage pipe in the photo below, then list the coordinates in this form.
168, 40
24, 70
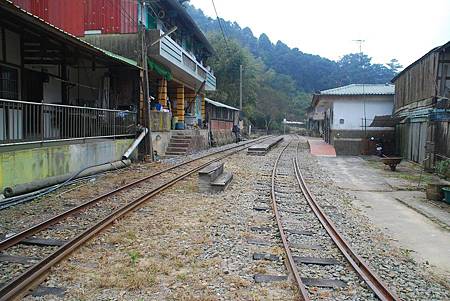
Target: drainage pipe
133, 146
35, 185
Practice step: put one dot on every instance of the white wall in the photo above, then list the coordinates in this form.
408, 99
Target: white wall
352, 111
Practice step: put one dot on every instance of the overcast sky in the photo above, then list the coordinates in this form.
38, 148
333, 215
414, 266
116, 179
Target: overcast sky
402, 29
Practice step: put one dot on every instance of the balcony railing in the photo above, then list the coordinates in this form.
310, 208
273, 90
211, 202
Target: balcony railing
176, 55
28, 122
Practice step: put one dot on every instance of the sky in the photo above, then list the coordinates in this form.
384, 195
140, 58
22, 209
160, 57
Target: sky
401, 29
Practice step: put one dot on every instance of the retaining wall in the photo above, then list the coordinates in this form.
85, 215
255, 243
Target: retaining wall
27, 165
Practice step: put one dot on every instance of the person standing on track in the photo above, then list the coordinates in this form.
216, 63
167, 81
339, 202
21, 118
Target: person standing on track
236, 130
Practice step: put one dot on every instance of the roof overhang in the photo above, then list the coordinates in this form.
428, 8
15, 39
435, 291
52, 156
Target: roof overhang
434, 50
60, 36
174, 4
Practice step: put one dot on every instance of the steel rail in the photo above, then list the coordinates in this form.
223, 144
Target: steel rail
373, 281
292, 266
17, 238
24, 282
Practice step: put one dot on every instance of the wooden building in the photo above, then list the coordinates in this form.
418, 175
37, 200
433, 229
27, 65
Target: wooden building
220, 119
423, 109
178, 73
64, 104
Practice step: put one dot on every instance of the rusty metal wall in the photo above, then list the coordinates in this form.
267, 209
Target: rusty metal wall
111, 16
67, 15
77, 16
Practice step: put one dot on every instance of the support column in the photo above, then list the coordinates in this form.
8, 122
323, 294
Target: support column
180, 106
189, 96
203, 107
162, 92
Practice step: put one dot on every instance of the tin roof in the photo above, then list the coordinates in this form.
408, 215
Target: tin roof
9, 6
361, 89
436, 49
219, 104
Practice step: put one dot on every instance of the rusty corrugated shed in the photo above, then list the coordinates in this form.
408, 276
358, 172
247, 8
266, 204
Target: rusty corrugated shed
77, 16
111, 16
65, 14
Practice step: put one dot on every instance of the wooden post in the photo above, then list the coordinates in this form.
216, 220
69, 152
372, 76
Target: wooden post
162, 92
203, 107
180, 103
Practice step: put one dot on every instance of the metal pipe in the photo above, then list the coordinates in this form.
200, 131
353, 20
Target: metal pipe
35, 185
136, 142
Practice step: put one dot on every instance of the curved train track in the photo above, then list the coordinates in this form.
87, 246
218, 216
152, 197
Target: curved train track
379, 289
92, 217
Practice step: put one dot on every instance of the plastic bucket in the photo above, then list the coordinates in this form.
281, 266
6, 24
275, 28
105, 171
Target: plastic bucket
179, 126
446, 191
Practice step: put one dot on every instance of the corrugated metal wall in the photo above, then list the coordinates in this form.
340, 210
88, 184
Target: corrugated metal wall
111, 16
77, 16
65, 14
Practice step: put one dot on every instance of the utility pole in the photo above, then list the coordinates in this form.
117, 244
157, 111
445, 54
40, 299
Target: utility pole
146, 90
240, 88
360, 42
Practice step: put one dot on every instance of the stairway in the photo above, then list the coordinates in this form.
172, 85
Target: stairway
178, 145
213, 178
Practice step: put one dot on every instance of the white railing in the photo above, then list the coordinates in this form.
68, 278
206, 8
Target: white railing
23, 122
177, 55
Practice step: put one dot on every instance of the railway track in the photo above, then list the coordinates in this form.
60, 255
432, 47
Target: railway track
321, 262
57, 237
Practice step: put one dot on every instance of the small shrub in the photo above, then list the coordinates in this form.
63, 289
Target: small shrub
443, 168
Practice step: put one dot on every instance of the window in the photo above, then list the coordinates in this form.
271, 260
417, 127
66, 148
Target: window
341, 121
9, 88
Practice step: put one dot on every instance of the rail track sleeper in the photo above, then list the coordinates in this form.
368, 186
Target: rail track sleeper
20, 285
372, 280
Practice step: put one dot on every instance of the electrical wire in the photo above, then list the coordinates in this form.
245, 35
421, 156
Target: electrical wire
220, 24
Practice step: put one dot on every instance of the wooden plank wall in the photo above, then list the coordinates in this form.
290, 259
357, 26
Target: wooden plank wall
411, 139
417, 83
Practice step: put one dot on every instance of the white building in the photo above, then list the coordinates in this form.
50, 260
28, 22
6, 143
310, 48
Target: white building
343, 116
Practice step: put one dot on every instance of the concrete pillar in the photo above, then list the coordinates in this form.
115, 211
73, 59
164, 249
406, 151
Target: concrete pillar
180, 104
162, 92
203, 107
189, 96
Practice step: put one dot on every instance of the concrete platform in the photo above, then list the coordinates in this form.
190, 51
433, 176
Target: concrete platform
262, 148
320, 148
392, 203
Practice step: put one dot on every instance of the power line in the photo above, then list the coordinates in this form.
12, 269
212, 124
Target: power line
220, 23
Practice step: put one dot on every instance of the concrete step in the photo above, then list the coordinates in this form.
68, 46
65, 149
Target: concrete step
210, 173
178, 144
179, 140
222, 182
176, 149
175, 153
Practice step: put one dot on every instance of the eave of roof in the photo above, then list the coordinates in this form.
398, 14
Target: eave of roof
221, 105
354, 90
67, 37
187, 17
435, 49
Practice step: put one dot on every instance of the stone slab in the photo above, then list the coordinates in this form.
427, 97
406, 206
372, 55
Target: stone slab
260, 278
17, 259
315, 260
325, 283
265, 256
43, 242
42, 291
260, 242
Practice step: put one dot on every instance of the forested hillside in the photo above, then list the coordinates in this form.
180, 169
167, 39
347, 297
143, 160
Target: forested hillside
278, 80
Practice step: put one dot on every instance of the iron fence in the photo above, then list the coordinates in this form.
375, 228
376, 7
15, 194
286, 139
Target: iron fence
28, 122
